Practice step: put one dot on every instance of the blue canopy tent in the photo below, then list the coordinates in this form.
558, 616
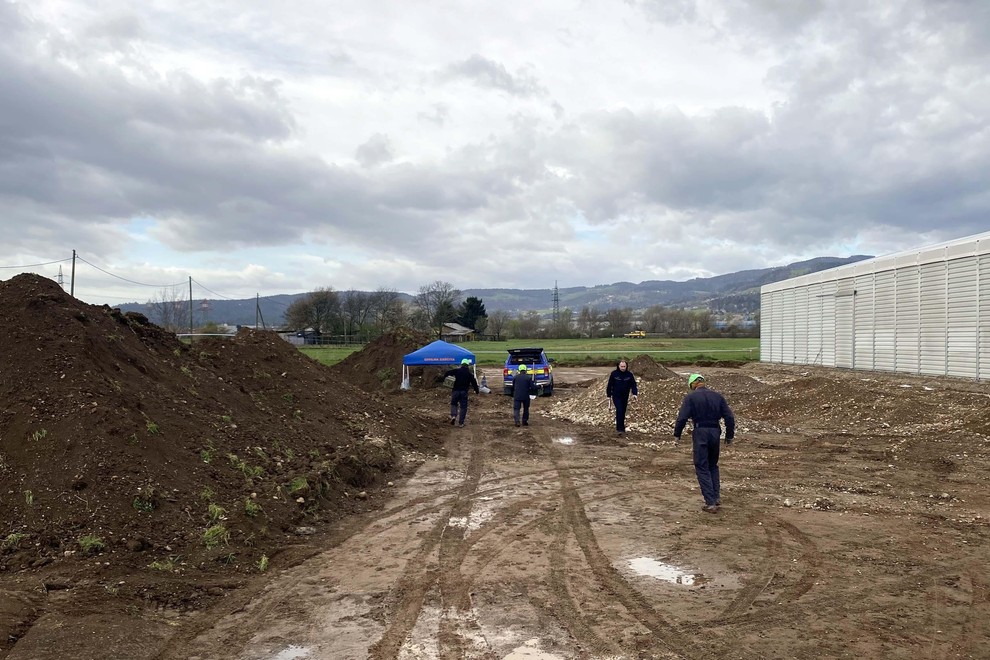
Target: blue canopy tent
436, 354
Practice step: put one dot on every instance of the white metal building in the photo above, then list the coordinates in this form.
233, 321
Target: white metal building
924, 311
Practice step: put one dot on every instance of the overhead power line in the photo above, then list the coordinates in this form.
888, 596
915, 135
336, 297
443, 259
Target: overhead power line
106, 272
47, 263
218, 295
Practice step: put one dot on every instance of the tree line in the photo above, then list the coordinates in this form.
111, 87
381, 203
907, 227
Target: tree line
364, 316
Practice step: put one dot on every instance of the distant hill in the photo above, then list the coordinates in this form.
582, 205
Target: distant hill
737, 292
716, 293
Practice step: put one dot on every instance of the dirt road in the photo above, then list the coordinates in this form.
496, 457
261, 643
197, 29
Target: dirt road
860, 533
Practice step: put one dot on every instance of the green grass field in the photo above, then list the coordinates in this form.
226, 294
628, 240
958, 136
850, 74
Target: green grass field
577, 352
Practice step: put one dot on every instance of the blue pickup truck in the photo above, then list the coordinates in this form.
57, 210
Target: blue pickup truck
540, 367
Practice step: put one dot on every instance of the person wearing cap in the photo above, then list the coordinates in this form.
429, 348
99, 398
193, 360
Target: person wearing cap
522, 384
463, 380
621, 383
705, 408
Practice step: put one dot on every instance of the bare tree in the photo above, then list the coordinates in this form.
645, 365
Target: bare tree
481, 325
438, 302
169, 309
528, 324
318, 309
562, 327
588, 320
497, 322
356, 310
653, 319
387, 310
619, 319
564, 322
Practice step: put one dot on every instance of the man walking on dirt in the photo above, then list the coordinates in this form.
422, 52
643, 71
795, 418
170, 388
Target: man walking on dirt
705, 408
463, 379
621, 383
521, 386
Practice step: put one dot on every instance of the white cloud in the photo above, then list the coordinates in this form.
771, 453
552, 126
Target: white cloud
397, 146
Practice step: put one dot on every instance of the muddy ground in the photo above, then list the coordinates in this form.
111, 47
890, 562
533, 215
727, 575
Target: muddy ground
854, 520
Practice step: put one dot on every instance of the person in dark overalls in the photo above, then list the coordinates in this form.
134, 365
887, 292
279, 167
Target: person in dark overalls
621, 383
463, 380
522, 384
705, 408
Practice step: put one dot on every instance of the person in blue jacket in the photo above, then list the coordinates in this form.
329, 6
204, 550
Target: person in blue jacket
463, 380
522, 386
705, 408
621, 383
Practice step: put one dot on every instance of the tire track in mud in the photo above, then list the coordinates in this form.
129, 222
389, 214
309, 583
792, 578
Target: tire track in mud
455, 587
674, 638
975, 627
812, 557
492, 486
748, 595
784, 610
575, 522
249, 606
419, 576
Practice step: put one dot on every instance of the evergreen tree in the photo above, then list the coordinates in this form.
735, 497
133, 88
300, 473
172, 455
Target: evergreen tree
471, 310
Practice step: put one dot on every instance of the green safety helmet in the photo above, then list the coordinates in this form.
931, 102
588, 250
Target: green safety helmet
522, 367
466, 361
694, 378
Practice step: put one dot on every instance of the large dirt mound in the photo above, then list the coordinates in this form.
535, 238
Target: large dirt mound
117, 439
378, 366
644, 366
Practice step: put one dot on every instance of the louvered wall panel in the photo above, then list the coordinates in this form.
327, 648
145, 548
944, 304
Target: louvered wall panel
845, 337
767, 327
800, 326
963, 314
907, 283
787, 326
828, 323
884, 321
815, 324
983, 286
777, 348
933, 318
863, 320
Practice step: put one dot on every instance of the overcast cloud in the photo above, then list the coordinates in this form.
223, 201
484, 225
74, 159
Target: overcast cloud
266, 148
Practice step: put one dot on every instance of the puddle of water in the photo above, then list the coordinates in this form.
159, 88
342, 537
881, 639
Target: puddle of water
292, 653
566, 440
667, 572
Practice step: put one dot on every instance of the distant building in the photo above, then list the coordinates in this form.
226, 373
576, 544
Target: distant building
308, 336
923, 311
455, 332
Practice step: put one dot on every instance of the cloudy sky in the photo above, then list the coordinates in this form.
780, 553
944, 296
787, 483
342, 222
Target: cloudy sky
265, 147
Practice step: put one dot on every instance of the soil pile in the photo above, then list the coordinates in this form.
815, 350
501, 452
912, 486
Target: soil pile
780, 400
120, 441
655, 410
644, 366
378, 366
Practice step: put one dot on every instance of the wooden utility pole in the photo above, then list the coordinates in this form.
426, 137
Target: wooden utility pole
190, 310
